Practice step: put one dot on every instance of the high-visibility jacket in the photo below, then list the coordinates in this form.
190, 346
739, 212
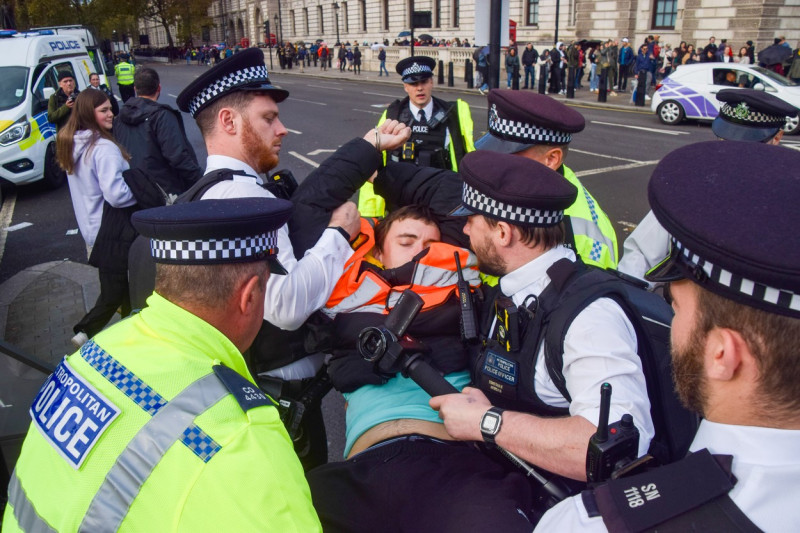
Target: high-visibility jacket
592, 232
362, 288
124, 73
156, 425
371, 204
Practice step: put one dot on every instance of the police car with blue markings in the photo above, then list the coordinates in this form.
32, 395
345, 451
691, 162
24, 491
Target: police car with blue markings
690, 91
29, 67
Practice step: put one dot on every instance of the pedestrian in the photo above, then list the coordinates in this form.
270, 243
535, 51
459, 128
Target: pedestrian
94, 83
350, 58
154, 135
60, 104
594, 80
734, 350
794, 69
188, 56
529, 58
441, 131
324, 53
124, 72
168, 391
481, 56
512, 67
103, 204
342, 57
357, 60
382, 59
743, 58
626, 64
558, 62
710, 51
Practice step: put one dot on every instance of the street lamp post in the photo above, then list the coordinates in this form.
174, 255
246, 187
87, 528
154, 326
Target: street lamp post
278, 30
336, 11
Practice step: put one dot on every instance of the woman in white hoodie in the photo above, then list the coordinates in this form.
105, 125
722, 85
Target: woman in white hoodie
102, 201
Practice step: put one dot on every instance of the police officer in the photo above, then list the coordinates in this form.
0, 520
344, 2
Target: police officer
441, 132
154, 421
540, 128
124, 72
515, 227
736, 296
745, 115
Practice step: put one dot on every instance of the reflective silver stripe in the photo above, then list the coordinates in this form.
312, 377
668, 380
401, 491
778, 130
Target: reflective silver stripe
27, 518
137, 461
581, 226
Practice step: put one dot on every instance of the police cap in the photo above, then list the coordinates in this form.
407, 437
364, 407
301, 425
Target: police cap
515, 189
520, 119
415, 68
750, 115
209, 232
738, 243
244, 71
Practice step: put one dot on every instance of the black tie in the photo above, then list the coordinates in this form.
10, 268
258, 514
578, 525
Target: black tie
422, 118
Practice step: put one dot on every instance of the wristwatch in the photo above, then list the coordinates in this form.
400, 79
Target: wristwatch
490, 424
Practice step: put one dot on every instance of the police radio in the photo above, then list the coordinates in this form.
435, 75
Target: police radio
507, 320
613, 448
469, 327
282, 184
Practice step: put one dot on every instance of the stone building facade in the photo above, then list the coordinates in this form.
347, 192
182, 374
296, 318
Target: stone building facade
372, 21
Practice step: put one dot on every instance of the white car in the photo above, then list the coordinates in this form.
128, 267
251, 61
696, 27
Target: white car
690, 91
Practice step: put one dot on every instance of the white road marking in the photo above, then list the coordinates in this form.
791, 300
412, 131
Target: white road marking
654, 130
593, 171
320, 151
6, 214
294, 131
172, 95
305, 159
370, 112
629, 225
603, 155
21, 225
308, 101
378, 105
381, 94
326, 87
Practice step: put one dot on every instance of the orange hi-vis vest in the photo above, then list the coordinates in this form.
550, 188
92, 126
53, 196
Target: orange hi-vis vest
361, 288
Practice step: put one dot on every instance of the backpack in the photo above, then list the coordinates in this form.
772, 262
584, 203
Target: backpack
574, 286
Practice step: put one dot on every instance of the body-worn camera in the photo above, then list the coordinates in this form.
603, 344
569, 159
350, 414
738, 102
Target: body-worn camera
614, 446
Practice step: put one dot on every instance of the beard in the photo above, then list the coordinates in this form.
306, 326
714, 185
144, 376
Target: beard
688, 372
261, 152
489, 261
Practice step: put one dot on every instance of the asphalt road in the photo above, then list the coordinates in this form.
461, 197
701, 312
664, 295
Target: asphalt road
614, 157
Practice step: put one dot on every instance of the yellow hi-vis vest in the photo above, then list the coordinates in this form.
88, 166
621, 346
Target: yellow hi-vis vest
371, 204
124, 73
156, 425
595, 239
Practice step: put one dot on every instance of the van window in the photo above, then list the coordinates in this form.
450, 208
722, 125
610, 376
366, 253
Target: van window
13, 82
49, 79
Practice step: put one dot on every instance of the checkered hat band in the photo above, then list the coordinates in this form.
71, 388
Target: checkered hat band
246, 76
477, 201
416, 68
215, 250
752, 118
512, 130
751, 289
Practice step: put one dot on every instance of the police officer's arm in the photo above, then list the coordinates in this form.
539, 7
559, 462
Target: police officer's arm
644, 248
254, 483
467, 127
406, 184
600, 346
175, 148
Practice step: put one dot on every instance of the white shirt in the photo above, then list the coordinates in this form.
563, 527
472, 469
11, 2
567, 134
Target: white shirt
765, 462
645, 247
599, 347
290, 299
428, 116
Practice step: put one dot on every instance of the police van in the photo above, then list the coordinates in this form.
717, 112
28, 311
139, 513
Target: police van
29, 67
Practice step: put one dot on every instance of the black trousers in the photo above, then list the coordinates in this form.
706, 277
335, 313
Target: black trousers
114, 294
416, 484
126, 92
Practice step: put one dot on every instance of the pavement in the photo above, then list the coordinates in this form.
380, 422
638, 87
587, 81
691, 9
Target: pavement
39, 305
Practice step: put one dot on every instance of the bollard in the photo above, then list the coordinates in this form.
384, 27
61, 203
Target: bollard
468, 75
641, 88
571, 82
602, 93
440, 79
450, 69
543, 78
